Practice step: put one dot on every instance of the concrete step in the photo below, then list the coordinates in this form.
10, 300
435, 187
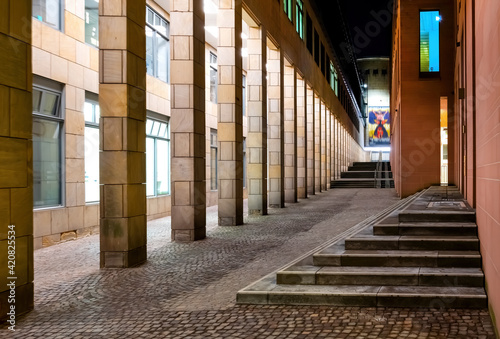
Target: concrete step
381, 276
397, 242
361, 168
398, 258
431, 229
266, 291
437, 216
358, 174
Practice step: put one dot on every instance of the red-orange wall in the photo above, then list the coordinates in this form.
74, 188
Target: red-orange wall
487, 144
416, 125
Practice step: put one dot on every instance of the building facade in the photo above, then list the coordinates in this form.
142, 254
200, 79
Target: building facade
117, 112
445, 65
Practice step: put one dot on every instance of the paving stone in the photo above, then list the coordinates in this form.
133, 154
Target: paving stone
188, 290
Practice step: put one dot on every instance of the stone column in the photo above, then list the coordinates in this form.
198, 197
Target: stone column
301, 139
275, 70
311, 130
323, 145
187, 85
317, 144
229, 114
331, 147
122, 162
257, 121
290, 125
328, 122
16, 156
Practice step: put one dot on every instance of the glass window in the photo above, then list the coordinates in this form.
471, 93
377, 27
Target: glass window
287, 5
244, 90
309, 32
92, 22
47, 159
299, 18
157, 46
213, 78
157, 157
92, 114
49, 12
316, 47
244, 162
213, 159
429, 41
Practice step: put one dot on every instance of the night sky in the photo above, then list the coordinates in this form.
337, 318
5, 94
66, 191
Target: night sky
366, 33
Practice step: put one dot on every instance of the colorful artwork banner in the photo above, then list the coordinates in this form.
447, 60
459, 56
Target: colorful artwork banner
379, 129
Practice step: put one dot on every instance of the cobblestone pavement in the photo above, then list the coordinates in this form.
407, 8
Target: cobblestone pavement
188, 290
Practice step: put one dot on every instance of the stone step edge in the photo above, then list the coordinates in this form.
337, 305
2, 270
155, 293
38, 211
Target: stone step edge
310, 277
455, 298
400, 205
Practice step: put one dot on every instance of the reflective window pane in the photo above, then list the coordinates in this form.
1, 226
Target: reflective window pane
91, 164
429, 41
92, 22
149, 126
37, 96
46, 163
88, 112
163, 57
162, 166
48, 11
150, 167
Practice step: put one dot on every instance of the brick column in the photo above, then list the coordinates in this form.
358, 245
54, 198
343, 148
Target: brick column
310, 126
122, 87
275, 65
229, 114
290, 124
317, 144
187, 84
16, 156
323, 145
301, 139
257, 121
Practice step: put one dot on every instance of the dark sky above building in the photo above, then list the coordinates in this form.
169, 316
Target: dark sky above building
357, 29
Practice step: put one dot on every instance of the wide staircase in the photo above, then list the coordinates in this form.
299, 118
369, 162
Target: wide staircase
421, 252
366, 175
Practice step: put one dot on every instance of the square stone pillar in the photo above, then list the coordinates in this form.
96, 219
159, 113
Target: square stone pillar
257, 121
332, 146
229, 114
16, 157
122, 161
290, 107
323, 145
275, 69
311, 130
317, 144
187, 121
301, 139
328, 123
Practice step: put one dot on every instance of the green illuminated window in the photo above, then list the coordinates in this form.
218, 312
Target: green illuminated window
429, 41
299, 18
287, 6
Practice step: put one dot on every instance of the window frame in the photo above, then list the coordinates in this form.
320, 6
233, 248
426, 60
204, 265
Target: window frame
155, 47
86, 25
288, 9
428, 74
162, 120
299, 18
213, 68
94, 124
45, 85
214, 186
244, 94
61, 15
